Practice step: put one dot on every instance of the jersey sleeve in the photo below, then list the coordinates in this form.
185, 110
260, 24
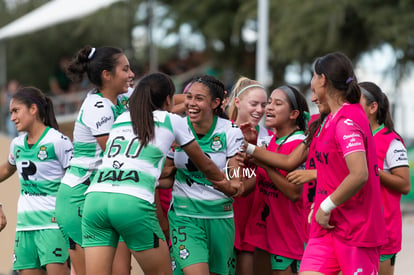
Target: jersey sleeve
98, 116
396, 155
64, 150
182, 132
234, 141
349, 136
12, 157
170, 153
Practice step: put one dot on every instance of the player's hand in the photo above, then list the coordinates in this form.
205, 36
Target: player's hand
3, 220
249, 132
301, 176
322, 218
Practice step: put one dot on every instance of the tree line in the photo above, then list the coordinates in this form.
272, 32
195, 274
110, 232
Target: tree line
299, 31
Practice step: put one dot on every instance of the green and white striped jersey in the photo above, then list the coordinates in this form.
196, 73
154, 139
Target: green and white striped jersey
128, 169
41, 168
193, 195
96, 116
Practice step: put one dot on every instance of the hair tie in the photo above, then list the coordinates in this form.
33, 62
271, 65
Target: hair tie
93, 50
248, 87
349, 80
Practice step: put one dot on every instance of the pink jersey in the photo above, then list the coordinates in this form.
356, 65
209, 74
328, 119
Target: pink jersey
275, 222
390, 198
360, 220
243, 205
309, 189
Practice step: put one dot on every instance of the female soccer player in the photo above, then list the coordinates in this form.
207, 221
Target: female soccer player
120, 199
108, 69
393, 169
41, 156
348, 225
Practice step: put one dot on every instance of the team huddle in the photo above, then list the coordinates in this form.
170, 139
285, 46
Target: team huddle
188, 185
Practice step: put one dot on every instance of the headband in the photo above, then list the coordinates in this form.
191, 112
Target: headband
93, 50
248, 87
290, 94
367, 95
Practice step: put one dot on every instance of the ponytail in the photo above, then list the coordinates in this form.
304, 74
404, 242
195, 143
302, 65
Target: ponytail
93, 61
149, 95
32, 95
338, 70
373, 93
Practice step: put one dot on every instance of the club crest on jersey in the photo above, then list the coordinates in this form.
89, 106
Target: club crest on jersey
216, 145
173, 264
42, 155
184, 253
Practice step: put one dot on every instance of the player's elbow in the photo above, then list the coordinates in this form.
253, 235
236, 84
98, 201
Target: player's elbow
406, 188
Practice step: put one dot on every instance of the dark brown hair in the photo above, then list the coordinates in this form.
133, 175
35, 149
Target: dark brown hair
216, 89
93, 61
383, 115
32, 95
338, 70
149, 95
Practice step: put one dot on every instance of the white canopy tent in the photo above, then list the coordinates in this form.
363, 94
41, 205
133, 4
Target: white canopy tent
51, 13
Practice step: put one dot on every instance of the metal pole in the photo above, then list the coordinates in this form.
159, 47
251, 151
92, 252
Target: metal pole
153, 57
3, 63
262, 43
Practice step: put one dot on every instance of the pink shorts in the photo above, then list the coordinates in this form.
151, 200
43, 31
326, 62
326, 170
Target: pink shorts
329, 255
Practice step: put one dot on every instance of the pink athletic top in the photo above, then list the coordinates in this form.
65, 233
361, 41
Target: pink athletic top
276, 223
243, 205
309, 189
390, 198
360, 220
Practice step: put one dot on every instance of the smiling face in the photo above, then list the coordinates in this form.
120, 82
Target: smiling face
278, 111
319, 93
198, 103
122, 77
251, 106
322, 107
22, 116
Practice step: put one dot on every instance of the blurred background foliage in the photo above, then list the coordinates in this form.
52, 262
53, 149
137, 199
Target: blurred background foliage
219, 32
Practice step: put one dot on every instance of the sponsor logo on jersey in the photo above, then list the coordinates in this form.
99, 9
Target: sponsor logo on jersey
216, 144
99, 104
117, 165
102, 121
117, 176
57, 252
348, 122
351, 136
42, 155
